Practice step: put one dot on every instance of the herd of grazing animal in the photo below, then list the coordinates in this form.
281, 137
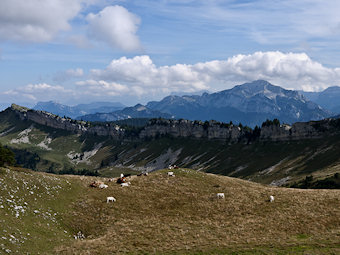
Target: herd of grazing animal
124, 183
122, 180
221, 196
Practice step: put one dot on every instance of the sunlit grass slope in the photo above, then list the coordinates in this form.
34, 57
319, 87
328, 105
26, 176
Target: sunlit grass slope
33, 211
166, 215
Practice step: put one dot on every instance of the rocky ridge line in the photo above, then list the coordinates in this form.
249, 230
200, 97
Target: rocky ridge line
187, 128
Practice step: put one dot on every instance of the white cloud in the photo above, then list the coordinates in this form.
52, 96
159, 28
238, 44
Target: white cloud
41, 21
140, 71
36, 20
75, 72
141, 79
102, 88
84, 91
68, 74
36, 92
116, 26
289, 70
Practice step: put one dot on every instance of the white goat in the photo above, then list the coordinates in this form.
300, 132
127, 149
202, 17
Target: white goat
103, 186
220, 195
171, 174
110, 199
125, 184
79, 236
271, 199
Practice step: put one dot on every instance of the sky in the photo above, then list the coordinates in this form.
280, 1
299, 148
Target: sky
135, 51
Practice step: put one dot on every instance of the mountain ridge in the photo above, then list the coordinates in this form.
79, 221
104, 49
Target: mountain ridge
328, 98
274, 153
249, 104
77, 110
137, 111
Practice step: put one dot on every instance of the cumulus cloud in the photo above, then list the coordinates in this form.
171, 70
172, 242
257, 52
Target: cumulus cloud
116, 26
289, 70
36, 20
41, 21
140, 71
68, 74
84, 91
140, 78
35, 92
98, 88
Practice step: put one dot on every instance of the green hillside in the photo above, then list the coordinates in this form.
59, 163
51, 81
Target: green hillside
40, 213
34, 211
52, 150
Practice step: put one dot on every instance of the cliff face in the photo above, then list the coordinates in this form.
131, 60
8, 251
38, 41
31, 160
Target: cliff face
195, 129
54, 121
187, 128
221, 131
301, 130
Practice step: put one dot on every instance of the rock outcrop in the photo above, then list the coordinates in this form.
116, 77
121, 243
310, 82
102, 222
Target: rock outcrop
186, 128
301, 130
54, 121
195, 129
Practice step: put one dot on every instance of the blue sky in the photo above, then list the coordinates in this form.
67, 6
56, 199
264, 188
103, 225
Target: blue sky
139, 50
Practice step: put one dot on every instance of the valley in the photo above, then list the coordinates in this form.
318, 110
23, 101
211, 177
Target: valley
273, 154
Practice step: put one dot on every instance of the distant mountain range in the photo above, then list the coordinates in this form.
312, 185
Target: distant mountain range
249, 104
328, 99
78, 110
137, 111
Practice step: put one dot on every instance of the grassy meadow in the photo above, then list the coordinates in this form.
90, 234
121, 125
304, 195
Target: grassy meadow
158, 214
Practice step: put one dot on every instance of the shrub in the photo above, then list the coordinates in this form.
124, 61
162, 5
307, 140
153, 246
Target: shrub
6, 156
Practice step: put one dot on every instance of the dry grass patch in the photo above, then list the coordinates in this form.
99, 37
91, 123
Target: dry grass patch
160, 214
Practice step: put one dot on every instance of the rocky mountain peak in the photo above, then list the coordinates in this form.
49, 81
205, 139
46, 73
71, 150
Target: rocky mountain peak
250, 103
139, 107
264, 89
